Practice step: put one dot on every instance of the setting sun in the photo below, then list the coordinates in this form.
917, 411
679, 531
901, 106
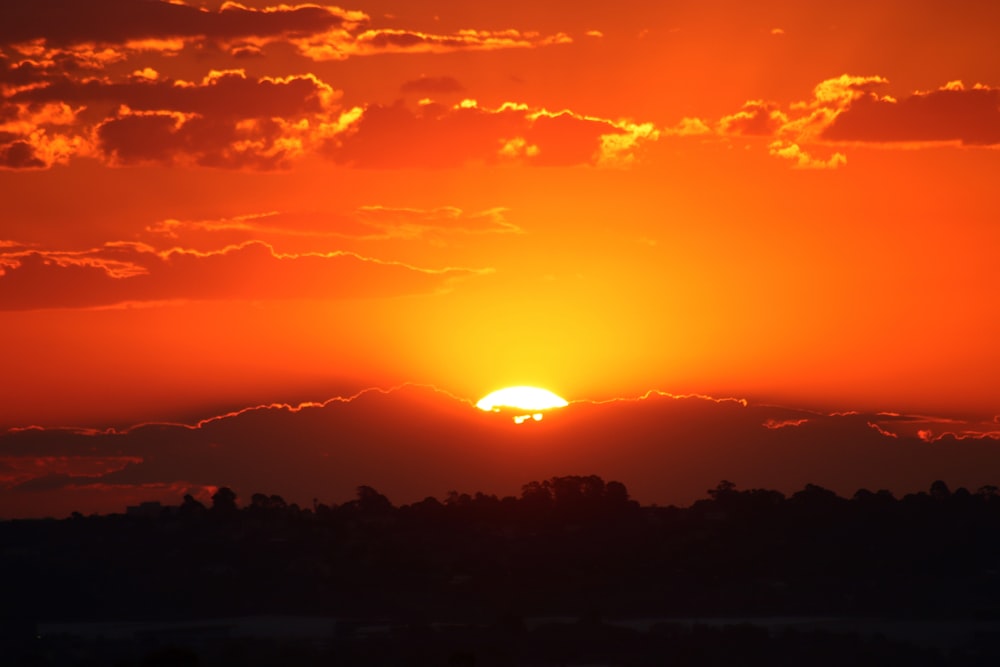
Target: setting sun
529, 400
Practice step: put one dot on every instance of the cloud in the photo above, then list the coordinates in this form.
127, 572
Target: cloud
38, 135
229, 120
63, 54
67, 23
773, 423
366, 223
803, 160
128, 272
953, 112
340, 45
57, 28
411, 442
133, 138
225, 120
435, 135
756, 118
413, 223
17, 470
690, 127
220, 94
852, 109
18, 154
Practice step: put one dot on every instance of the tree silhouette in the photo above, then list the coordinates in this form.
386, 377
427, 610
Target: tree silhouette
370, 501
224, 501
939, 490
190, 506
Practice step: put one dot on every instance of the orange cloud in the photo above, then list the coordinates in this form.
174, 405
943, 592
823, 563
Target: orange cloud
953, 112
690, 127
225, 120
773, 423
128, 272
317, 32
436, 135
850, 109
412, 223
67, 23
230, 120
803, 160
755, 118
38, 135
225, 93
341, 44
367, 223
173, 137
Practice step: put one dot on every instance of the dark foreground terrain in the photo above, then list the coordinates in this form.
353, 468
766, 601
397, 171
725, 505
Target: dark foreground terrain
572, 572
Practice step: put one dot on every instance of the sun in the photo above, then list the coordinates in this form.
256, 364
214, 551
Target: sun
525, 402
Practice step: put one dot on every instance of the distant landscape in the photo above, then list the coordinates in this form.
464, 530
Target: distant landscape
571, 571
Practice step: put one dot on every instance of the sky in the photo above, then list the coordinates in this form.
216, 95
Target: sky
213, 210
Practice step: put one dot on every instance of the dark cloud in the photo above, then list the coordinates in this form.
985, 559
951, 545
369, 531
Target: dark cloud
853, 108
208, 142
414, 441
48, 483
223, 95
226, 120
432, 136
21, 73
394, 40
70, 22
436, 135
18, 155
318, 32
127, 273
566, 139
968, 115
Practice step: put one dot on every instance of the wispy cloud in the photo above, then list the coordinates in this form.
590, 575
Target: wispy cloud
131, 272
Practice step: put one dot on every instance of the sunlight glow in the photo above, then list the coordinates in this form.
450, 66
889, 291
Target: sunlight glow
526, 401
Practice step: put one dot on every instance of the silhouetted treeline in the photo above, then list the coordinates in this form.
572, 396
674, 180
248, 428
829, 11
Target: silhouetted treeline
573, 546
576, 642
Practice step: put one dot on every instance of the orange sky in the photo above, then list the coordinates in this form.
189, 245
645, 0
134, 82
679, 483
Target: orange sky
209, 206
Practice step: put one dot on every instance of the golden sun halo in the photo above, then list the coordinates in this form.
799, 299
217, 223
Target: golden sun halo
527, 402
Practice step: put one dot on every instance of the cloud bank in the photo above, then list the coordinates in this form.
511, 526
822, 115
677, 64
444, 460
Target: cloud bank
853, 110
412, 442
